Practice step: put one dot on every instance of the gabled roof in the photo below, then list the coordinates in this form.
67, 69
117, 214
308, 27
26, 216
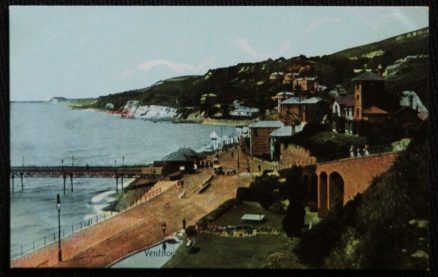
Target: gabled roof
347, 101
181, 155
374, 110
368, 76
312, 100
286, 131
291, 100
267, 124
284, 93
422, 115
296, 101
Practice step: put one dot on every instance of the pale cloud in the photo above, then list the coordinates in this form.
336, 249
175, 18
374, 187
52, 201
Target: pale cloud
316, 22
244, 45
388, 18
180, 68
126, 72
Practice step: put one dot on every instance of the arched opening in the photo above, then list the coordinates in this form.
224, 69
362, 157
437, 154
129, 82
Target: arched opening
313, 192
323, 191
336, 193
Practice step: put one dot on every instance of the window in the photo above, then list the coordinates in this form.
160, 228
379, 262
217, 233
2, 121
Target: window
357, 97
357, 112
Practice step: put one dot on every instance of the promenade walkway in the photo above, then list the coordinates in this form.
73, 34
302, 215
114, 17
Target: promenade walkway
138, 227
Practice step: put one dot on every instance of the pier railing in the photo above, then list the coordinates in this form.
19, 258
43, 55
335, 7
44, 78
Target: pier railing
23, 249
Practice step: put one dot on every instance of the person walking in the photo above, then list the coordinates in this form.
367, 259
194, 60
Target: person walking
184, 223
352, 151
163, 228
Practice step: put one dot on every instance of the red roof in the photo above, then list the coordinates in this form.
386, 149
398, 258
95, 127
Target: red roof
374, 110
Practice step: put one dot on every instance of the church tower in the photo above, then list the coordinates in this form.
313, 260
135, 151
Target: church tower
357, 113
368, 89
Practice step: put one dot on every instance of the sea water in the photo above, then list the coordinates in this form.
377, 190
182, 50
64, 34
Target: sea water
47, 134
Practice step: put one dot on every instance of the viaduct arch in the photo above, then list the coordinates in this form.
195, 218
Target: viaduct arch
330, 185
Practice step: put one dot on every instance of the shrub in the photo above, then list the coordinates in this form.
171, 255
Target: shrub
294, 220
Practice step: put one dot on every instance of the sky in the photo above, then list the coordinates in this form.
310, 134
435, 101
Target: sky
81, 52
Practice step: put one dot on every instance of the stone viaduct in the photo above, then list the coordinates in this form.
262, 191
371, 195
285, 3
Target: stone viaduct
334, 183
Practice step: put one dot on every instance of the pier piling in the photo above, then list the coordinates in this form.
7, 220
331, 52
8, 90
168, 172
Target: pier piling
21, 177
117, 184
13, 186
71, 182
64, 183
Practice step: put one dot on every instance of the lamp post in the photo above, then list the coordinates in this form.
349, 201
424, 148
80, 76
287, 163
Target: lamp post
123, 165
58, 207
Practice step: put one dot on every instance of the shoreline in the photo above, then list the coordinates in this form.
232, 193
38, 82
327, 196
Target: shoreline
175, 120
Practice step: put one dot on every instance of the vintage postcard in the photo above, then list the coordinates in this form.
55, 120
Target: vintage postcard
285, 137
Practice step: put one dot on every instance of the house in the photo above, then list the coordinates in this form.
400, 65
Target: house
337, 91
342, 113
290, 77
368, 91
279, 97
208, 99
411, 115
361, 70
260, 132
240, 111
372, 104
305, 110
305, 84
276, 76
374, 114
279, 139
184, 159
408, 120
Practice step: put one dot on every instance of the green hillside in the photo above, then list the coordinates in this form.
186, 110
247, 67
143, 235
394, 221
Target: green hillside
249, 82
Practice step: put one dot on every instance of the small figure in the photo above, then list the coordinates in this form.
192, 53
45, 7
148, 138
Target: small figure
366, 150
352, 151
184, 223
189, 242
163, 228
